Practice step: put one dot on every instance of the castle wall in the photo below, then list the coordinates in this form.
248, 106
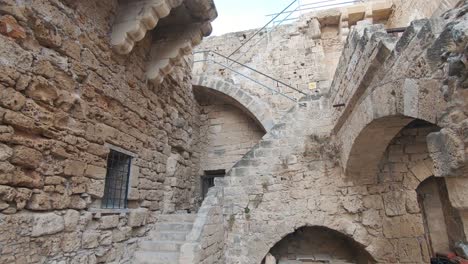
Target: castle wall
408, 10
230, 133
64, 96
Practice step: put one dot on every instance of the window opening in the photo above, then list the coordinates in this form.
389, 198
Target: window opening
208, 180
117, 179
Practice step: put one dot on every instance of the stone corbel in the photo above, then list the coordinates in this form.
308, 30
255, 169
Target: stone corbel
135, 18
171, 47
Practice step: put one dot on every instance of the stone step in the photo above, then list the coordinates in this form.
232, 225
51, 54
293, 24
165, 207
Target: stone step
177, 218
144, 257
168, 235
161, 246
173, 226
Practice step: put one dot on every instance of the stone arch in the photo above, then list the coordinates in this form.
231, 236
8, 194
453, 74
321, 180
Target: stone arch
379, 116
339, 227
253, 105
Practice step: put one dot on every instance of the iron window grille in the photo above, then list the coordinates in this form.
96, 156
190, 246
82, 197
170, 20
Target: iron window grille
117, 180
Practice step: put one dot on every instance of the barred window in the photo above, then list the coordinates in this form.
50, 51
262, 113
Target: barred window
117, 180
208, 180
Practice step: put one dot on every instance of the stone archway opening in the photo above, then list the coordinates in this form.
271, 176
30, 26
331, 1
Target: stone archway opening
442, 223
317, 245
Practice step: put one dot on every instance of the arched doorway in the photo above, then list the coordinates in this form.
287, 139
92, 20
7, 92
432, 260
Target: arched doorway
317, 245
442, 222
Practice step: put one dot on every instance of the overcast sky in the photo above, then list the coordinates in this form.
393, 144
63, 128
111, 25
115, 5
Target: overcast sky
238, 15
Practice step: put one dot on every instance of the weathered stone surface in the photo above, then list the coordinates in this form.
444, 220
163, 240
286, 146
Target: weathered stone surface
65, 95
26, 157
9, 27
11, 99
109, 221
90, 239
95, 172
5, 152
71, 219
74, 168
47, 224
137, 217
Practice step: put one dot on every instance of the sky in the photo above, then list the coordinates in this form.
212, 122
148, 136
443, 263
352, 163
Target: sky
239, 15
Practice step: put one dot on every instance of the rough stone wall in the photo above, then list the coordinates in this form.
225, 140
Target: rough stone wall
63, 94
296, 166
408, 10
205, 243
229, 132
289, 54
302, 176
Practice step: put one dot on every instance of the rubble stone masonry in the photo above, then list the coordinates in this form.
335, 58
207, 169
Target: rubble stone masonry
64, 95
371, 158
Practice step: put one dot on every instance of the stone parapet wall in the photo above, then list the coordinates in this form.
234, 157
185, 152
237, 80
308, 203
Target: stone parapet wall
408, 10
205, 243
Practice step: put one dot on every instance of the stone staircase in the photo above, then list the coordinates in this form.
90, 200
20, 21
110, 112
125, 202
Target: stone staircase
165, 240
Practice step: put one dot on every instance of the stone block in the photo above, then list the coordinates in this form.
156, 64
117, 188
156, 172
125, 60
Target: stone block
409, 250
42, 90
74, 168
71, 242
137, 217
109, 221
11, 99
90, 239
403, 226
5, 152
10, 27
95, 188
71, 219
457, 188
395, 203
47, 224
95, 172
26, 157
121, 234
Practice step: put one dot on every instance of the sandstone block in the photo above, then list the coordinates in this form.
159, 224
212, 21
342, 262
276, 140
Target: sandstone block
46, 34
458, 191
74, 168
409, 250
121, 234
395, 203
30, 179
109, 221
26, 157
42, 90
10, 27
39, 201
5, 152
95, 172
71, 219
71, 242
95, 188
47, 224
403, 226
137, 217
76, 202
90, 239
11, 99
7, 193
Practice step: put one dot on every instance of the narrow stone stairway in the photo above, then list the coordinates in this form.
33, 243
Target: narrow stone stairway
165, 240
